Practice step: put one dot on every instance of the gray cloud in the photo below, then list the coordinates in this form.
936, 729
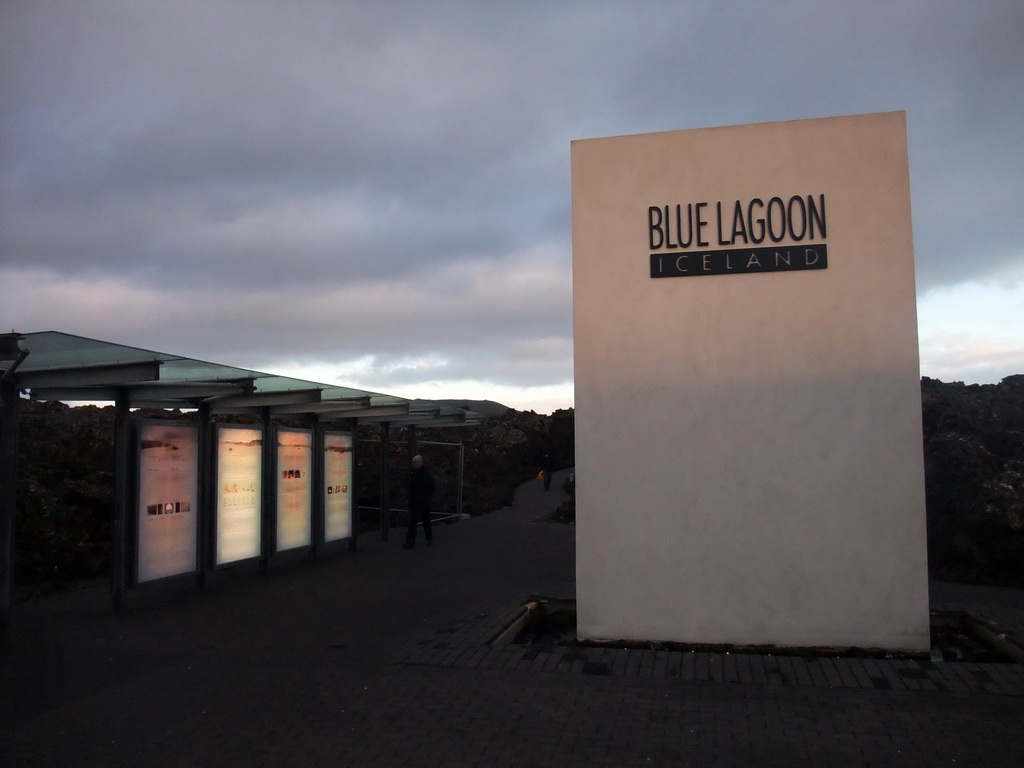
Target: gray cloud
331, 176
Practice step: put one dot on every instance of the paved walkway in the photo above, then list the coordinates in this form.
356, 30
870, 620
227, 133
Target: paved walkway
378, 657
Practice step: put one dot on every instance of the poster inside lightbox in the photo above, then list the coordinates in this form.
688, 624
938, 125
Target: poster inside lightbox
167, 500
239, 495
338, 460
294, 488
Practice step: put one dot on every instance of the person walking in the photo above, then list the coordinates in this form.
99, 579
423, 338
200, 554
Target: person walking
547, 466
419, 489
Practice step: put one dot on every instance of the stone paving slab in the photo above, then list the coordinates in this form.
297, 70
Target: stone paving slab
464, 644
380, 657
471, 717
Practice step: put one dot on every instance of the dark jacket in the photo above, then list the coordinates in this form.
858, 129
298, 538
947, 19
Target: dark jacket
419, 487
547, 464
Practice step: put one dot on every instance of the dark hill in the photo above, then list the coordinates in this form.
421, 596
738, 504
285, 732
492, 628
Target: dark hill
485, 407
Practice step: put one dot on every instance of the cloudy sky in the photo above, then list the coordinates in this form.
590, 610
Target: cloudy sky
376, 194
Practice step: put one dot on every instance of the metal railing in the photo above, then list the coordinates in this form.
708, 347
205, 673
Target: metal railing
437, 517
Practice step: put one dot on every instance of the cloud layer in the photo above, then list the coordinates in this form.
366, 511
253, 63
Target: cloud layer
327, 182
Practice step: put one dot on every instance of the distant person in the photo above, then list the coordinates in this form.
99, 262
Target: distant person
547, 467
419, 489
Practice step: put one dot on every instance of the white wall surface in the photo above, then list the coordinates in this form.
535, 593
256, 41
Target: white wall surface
749, 459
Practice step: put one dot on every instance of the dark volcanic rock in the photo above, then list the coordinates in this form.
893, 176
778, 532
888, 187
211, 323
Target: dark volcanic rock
973, 450
974, 480
65, 493
66, 470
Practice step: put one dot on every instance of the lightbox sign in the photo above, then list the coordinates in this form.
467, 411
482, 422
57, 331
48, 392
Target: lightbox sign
239, 492
338, 460
294, 488
167, 499
751, 236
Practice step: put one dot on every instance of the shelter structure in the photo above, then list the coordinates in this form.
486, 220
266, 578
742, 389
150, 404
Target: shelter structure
55, 366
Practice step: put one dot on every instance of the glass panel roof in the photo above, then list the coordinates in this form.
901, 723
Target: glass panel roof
51, 349
53, 352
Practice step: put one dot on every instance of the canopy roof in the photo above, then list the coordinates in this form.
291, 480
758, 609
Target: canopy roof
50, 365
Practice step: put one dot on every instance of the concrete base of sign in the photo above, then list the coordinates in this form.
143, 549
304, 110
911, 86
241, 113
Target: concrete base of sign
749, 461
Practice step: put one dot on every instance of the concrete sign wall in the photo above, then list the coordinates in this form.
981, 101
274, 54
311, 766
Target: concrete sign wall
748, 419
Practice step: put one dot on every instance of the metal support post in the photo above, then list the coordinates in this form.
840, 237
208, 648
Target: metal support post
9, 412
414, 446
353, 427
386, 518
317, 486
268, 498
205, 522
462, 475
119, 527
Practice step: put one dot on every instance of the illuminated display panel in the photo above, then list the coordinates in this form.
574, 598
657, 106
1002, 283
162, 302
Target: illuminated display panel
239, 492
338, 464
167, 499
294, 488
